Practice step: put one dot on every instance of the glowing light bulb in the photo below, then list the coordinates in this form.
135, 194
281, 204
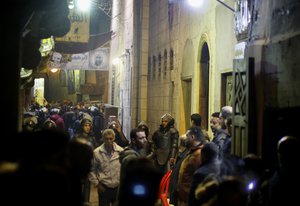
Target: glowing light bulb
54, 70
195, 3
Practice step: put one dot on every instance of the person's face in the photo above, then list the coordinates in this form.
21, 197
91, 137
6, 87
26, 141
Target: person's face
141, 139
222, 122
30, 126
189, 139
109, 140
215, 124
87, 128
164, 122
98, 60
56, 58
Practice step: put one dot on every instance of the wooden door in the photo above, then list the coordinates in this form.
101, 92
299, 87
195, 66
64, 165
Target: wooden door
243, 130
187, 96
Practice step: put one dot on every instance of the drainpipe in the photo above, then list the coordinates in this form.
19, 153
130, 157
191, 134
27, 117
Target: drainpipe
139, 15
130, 90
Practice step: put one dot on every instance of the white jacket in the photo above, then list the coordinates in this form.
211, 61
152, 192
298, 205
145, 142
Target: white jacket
105, 167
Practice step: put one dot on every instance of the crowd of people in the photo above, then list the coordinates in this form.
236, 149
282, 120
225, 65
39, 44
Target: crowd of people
63, 152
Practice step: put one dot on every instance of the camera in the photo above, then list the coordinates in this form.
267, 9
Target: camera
138, 189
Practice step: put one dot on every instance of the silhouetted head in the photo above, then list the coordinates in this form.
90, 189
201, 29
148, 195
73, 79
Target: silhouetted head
254, 166
30, 123
288, 150
182, 143
232, 192
49, 124
209, 152
81, 154
196, 119
141, 183
44, 148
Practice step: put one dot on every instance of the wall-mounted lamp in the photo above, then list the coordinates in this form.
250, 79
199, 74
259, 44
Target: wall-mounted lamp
82, 5
54, 70
195, 3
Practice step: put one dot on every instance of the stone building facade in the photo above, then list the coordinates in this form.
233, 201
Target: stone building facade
183, 59
176, 60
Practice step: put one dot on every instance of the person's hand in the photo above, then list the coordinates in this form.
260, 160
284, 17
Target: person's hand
172, 162
118, 128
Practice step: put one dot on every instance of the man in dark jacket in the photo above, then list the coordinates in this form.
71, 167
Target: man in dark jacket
135, 150
210, 165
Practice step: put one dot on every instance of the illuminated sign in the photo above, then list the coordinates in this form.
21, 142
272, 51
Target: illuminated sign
80, 27
97, 59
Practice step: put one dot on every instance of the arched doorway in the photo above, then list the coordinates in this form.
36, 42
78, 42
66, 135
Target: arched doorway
204, 85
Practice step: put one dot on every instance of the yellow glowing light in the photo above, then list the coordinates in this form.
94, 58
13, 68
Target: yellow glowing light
54, 70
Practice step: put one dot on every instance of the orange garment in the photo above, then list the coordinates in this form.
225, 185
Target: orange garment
189, 165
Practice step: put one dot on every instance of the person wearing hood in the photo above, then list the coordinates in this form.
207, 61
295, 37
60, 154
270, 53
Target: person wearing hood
30, 124
86, 134
165, 144
143, 125
59, 121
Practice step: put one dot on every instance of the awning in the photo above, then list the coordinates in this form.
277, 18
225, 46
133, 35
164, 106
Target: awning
95, 41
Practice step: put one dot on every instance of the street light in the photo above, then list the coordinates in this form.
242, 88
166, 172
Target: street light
83, 5
198, 3
195, 3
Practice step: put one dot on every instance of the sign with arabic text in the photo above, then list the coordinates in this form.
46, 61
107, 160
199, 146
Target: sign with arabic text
80, 27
